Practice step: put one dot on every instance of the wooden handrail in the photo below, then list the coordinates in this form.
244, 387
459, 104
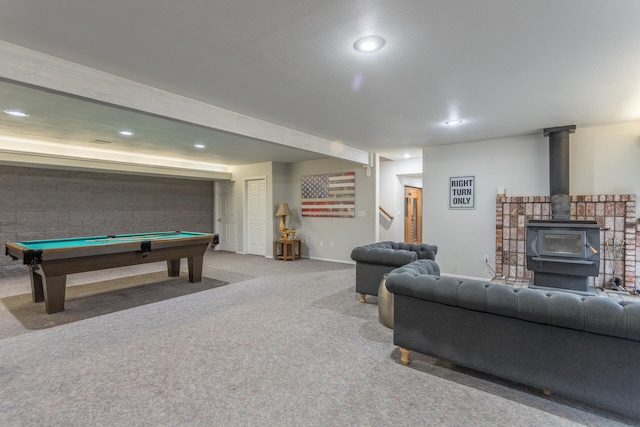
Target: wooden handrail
385, 212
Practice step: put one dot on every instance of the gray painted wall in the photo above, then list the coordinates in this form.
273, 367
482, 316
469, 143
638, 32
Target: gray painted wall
48, 204
318, 234
603, 161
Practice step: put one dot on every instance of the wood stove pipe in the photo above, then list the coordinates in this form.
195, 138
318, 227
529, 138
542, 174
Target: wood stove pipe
559, 170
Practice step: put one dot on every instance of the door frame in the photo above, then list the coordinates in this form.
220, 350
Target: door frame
245, 215
232, 247
418, 218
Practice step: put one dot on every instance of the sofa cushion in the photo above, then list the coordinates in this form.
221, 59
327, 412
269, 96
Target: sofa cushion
419, 267
393, 253
501, 300
423, 250
419, 278
567, 309
605, 316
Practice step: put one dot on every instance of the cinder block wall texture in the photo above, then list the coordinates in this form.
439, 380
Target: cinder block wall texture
48, 204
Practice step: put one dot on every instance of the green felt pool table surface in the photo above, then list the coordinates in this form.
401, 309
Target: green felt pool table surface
105, 240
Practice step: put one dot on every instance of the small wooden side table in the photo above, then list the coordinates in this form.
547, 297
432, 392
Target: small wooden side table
290, 249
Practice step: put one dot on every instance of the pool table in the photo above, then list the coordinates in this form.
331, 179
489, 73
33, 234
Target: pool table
50, 261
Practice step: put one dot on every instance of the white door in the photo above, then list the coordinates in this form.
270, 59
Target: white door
227, 223
256, 216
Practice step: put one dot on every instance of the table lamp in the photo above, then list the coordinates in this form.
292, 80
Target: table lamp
283, 211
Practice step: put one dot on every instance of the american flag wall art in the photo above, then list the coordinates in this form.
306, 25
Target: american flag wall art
329, 195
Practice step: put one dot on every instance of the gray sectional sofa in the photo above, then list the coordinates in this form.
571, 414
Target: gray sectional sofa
377, 259
583, 347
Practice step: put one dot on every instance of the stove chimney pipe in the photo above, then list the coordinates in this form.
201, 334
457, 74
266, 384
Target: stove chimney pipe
559, 170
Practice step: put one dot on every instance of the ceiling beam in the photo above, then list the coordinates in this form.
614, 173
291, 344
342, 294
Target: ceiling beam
44, 71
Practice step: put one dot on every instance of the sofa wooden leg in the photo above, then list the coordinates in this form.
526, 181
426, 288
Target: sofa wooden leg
363, 298
546, 392
404, 358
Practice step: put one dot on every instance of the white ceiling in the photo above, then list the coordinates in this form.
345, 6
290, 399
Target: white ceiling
93, 127
504, 67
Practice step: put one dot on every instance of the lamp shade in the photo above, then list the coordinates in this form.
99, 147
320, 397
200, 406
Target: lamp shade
283, 210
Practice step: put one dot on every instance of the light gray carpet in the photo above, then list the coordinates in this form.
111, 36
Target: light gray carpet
284, 344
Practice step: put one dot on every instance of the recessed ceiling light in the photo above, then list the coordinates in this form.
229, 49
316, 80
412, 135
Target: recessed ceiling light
453, 122
199, 145
126, 133
16, 113
369, 44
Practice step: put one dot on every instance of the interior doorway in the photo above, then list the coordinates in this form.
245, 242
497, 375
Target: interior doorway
412, 214
225, 207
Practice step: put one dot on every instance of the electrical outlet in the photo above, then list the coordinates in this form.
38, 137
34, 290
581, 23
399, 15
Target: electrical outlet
321, 243
331, 244
486, 259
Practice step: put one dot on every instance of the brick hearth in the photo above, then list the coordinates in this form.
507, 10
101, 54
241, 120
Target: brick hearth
619, 232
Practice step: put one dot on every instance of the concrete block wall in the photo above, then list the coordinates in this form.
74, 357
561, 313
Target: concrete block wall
47, 204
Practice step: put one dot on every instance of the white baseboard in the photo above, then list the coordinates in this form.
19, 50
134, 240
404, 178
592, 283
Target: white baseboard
333, 260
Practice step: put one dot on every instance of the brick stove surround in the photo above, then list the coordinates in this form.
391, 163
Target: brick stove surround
616, 215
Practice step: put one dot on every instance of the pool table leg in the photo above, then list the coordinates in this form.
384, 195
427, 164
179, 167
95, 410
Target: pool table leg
195, 268
54, 293
51, 290
173, 267
37, 293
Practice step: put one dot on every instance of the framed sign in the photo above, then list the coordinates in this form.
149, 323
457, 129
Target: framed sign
462, 192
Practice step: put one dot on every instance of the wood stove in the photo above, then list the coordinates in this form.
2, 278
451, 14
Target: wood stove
563, 254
